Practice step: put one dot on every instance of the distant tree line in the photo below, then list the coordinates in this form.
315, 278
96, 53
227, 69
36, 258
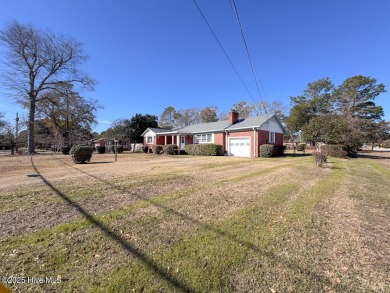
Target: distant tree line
171, 117
344, 114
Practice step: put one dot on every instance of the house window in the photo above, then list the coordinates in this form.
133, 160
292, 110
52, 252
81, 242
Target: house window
149, 139
204, 138
271, 138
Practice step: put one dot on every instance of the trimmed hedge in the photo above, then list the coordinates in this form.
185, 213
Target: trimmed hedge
170, 149
65, 150
101, 149
336, 150
157, 149
266, 150
207, 149
81, 154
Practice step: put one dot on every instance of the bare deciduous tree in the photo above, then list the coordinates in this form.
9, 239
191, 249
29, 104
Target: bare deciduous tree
37, 62
69, 114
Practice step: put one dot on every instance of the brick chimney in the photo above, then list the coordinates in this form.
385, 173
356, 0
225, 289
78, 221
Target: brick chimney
233, 117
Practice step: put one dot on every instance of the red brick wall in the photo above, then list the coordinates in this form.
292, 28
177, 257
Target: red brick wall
189, 139
160, 140
263, 137
219, 138
279, 139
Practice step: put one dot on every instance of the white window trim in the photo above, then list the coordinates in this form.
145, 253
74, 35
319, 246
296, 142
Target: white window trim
149, 139
204, 138
271, 137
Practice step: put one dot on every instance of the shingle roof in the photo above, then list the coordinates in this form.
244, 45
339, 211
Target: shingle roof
247, 123
206, 127
155, 130
158, 130
250, 122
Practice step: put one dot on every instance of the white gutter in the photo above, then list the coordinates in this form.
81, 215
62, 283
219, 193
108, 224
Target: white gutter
254, 142
226, 142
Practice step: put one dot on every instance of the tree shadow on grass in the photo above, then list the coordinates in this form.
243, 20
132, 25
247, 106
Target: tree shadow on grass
148, 262
296, 155
371, 156
314, 277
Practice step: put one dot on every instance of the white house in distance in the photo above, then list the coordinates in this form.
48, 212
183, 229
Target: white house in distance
238, 137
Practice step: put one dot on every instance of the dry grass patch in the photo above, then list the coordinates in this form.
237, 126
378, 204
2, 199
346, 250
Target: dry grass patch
161, 223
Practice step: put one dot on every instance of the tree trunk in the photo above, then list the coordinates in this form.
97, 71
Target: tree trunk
31, 118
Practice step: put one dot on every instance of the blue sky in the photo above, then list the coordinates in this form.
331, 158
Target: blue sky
150, 54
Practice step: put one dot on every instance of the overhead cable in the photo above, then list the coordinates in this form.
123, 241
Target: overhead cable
220, 45
233, 5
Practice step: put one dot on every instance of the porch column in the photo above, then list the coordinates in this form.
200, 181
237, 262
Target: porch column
173, 139
165, 139
178, 141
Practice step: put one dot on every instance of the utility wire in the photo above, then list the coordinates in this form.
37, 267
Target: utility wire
233, 5
220, 45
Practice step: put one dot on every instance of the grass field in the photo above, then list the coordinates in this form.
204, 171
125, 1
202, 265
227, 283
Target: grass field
151, 223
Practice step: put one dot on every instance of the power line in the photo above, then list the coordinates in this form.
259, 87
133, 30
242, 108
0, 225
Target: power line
220, 45
233, 5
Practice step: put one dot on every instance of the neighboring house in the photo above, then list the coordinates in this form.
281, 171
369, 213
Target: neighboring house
108, 142
238, 137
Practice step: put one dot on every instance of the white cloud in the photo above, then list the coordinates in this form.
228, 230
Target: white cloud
106, 122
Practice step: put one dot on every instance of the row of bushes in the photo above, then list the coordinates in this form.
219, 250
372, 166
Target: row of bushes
99, 149
208, 149
110, 149
168, 149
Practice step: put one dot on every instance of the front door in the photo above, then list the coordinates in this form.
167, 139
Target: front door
182, 142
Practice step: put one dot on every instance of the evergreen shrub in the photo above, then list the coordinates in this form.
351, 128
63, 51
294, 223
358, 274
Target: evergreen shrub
170, 149
81, 154
65, 150
266, 150
157, 149
101, 149
119, 149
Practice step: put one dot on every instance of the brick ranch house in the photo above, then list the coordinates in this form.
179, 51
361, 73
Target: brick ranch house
238, 137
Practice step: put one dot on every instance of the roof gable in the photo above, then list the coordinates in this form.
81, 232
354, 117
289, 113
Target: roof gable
257, 121
154, 130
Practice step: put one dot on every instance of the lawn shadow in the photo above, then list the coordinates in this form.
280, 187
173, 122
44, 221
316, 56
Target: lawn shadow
371, 156
313, 276
296, 155
33, 175
149, 262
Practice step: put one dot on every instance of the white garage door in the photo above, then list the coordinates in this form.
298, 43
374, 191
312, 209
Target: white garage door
240, 147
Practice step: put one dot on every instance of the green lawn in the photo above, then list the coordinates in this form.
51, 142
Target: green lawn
193, 224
